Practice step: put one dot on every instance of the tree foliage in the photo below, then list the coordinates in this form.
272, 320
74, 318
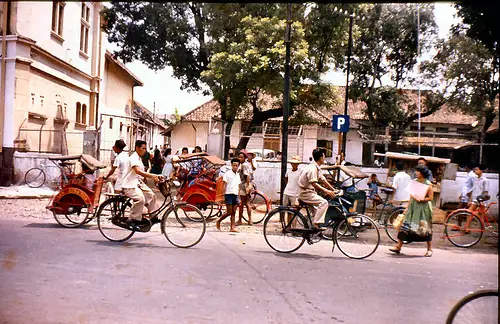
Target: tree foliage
385, 54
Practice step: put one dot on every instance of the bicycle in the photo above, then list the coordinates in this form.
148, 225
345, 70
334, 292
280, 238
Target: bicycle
37, 176
286, 229
478, 307
464, 228
260, 205
390, 216
182, 224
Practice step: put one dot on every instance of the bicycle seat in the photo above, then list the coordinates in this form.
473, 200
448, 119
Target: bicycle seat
387, 190
302, 203
482, 198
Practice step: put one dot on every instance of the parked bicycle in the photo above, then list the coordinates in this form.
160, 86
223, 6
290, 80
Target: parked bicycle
57, 173
478, 307
182, 224
464, 228
356, 235
387, 214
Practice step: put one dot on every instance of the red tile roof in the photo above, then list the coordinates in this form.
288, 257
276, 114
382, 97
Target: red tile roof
445, 115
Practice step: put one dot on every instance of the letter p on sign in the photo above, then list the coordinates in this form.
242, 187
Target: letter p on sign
340, 123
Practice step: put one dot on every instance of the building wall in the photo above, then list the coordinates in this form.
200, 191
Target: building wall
183, 135
34, 20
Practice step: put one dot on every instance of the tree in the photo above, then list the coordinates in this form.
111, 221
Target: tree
480, 24
385, 54
190, 36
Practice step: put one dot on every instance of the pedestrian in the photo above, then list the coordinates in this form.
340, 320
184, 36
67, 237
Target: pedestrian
467, 188
480, 187
167, 167
378, 163
119, 163
423, 161
231, 180
417, 225
146, 161
291, 193
400, 183
245, 172
157, 162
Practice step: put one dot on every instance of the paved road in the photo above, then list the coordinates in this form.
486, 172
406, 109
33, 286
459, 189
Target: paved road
50, 274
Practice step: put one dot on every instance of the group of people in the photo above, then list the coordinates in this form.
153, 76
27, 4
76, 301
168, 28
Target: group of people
305, 184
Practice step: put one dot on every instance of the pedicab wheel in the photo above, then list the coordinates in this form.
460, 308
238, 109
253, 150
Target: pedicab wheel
35, 178
183, 225
76, 213
284, 229
111, 218
208, 210
259, 206
478, 307
463, 229
360, 237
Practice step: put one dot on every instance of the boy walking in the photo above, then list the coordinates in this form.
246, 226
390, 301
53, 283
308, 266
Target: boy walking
232, 182
480, 187
291, 192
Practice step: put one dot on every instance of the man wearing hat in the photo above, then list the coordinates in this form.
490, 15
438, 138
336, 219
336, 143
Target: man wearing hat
292, 182
120, 162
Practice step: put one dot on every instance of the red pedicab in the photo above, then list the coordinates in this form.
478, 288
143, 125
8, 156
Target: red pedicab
75, 204
198, 182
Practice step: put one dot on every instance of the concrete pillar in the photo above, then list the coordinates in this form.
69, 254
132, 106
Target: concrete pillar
8, 136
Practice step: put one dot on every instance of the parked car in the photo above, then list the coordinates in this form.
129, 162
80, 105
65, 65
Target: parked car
263, 154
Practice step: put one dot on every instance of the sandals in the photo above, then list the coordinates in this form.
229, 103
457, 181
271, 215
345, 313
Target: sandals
428, 253
394, 250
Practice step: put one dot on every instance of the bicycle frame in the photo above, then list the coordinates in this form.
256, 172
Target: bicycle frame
481, 212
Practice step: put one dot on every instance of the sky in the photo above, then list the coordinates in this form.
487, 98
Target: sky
163, 92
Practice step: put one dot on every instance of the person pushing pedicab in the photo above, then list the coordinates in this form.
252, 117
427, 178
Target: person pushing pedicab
312, 180
134, 188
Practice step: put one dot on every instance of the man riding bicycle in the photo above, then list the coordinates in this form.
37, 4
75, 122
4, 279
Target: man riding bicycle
312, 180
134, 188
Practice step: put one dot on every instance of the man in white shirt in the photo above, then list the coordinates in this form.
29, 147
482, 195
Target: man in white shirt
400, 183
120, 163
292, 182
134, 188
311, 180
467, 188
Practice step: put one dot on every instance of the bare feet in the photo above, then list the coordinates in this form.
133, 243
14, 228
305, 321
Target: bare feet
217, 225
250, 223
239, 223
234, 230
395, 250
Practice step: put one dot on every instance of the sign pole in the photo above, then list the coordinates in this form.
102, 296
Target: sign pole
286, 102
349, 53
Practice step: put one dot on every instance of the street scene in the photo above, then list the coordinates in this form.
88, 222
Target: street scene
248, 162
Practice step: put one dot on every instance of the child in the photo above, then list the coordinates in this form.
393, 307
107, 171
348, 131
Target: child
373, 184
231, 188
292, 183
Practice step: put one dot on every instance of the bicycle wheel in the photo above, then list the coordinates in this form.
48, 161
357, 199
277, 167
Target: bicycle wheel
259, 206
389, 229
479, 307
179, 227
111, 217
463, 229
35, 177
284, 230
360, 237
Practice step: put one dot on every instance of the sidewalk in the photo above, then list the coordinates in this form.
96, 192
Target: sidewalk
25, 192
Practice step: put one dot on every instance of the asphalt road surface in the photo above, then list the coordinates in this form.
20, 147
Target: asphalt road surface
50, 274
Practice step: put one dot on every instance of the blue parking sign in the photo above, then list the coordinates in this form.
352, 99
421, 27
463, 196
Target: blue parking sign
340, 123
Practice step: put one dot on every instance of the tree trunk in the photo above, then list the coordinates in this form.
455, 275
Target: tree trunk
258, 118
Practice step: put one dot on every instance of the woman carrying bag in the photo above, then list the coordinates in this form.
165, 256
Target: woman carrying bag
417, 223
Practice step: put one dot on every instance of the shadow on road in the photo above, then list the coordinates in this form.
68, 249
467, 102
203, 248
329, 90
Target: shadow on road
308, 256
137, 245
54, 225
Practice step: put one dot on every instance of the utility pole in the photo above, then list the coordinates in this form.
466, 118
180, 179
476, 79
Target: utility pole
349, 53
286, 102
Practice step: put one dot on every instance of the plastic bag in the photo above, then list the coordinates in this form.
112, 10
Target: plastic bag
398, 222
